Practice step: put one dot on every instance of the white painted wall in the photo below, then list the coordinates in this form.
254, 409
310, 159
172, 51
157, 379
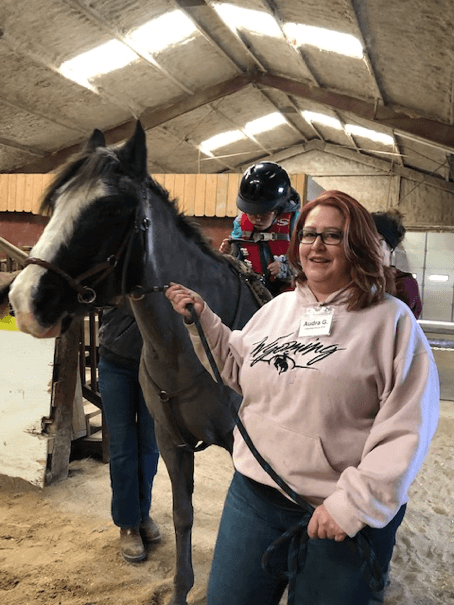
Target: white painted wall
26, 366
425, 201
427, 254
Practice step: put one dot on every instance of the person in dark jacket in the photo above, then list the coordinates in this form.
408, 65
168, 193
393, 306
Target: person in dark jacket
392, 232
132, 443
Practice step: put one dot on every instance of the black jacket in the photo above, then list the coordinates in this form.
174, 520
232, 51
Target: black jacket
120, 341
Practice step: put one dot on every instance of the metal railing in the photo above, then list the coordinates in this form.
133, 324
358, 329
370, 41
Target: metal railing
436, 327
12, 258
440, 334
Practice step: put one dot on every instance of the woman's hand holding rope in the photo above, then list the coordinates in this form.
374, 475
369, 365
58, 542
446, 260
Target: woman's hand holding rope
323, 526
181, 297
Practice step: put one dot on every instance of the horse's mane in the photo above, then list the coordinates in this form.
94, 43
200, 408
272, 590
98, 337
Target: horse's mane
87, 167
83, 169
187, 224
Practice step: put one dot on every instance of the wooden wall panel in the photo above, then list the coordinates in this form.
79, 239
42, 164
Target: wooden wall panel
20, 190
4, 184
28, 192
189, 194
36, 194
212, 194
11, 201
210, 199
232, 193
23, 192
178, 190
299, 183
196, 194
221, 194
200, 194
169, 182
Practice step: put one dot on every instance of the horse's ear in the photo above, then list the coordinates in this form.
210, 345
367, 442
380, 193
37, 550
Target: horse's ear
97, 139
133, 154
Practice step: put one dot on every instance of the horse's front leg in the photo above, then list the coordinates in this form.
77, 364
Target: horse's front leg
180, 466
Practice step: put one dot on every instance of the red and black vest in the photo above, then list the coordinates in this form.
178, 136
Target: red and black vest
260, 247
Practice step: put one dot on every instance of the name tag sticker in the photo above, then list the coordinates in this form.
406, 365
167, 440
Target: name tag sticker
316, 321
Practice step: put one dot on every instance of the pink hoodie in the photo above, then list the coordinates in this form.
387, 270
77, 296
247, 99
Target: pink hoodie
344, 419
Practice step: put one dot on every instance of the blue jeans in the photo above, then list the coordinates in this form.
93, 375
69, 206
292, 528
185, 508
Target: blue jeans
251, 522
132, 443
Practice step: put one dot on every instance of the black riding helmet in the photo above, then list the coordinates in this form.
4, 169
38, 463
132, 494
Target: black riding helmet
263, 188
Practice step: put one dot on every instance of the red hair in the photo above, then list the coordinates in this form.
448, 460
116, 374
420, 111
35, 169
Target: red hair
370, 278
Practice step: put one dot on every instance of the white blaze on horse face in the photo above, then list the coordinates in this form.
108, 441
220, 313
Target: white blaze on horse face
59, 230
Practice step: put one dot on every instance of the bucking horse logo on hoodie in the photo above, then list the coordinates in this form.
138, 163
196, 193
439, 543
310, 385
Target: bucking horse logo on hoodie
286, 355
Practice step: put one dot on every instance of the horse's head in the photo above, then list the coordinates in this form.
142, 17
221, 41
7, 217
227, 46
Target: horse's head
90, 240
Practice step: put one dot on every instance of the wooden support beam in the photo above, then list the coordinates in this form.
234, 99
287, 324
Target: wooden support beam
385, 166
366, 57
65, 373
402, 119
190, 9
150, 118
298, 52
403, 122
26, 148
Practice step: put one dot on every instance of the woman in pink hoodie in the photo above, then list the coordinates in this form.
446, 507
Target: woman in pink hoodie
340, 397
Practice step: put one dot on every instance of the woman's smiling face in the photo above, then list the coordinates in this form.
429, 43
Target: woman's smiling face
326, 267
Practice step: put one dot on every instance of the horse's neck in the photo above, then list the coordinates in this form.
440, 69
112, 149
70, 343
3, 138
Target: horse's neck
173, 257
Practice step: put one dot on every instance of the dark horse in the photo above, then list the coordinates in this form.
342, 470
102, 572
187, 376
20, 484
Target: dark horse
114, 231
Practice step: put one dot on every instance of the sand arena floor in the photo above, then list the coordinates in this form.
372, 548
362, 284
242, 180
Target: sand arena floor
59, 546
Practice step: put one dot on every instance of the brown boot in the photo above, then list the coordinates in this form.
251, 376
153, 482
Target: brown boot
149, 531
132, 547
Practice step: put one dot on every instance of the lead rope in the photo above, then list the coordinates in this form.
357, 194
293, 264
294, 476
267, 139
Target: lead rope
296, 536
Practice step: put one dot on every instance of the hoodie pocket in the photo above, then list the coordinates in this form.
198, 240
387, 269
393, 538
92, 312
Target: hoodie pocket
298, 457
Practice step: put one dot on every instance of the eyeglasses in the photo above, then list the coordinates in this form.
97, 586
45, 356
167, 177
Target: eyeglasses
330, 238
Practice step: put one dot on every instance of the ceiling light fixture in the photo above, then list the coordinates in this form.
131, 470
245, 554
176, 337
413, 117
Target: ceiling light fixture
169, 29
100, 60
379, 137
321, 118
272, 120
438, 278
324, 39
237, 17
221, 140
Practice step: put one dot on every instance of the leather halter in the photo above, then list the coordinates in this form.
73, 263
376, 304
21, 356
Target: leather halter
85, 294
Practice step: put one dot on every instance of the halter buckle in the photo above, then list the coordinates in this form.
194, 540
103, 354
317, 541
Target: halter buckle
145, 224
86, 296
